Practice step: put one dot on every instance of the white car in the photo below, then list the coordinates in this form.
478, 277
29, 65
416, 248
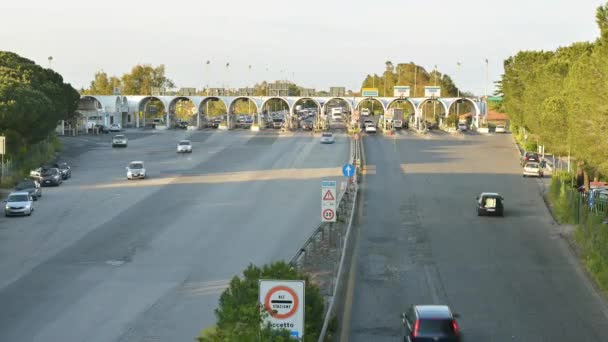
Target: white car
19, 203
500, 129
119, 140
369, 127
462, 127
115, 128
365, 112
136, 169
327, 138
184, 146
533, 169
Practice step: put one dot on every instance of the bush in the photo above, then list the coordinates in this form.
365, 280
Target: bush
240, 315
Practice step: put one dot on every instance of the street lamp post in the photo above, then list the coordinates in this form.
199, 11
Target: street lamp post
458, 90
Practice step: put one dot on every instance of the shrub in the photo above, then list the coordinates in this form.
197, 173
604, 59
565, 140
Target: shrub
239, 315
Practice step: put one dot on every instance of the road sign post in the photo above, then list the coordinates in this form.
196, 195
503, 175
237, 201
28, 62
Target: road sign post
284, 302
3, 152
328, 201
369, 92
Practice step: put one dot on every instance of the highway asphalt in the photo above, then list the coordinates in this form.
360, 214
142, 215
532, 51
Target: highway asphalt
421, 242
106, 259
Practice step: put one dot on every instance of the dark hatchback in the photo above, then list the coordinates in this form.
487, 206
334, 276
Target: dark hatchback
529, 157
30, 186
50, 177
490, 203
430, 323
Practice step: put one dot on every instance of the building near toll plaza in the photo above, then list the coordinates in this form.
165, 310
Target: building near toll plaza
281, 88
337, 91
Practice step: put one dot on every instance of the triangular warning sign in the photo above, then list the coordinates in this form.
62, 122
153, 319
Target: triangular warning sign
329, 196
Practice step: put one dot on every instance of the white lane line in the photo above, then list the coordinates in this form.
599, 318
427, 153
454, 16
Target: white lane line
431, 283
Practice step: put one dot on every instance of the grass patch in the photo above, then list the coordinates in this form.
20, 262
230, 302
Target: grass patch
29, 158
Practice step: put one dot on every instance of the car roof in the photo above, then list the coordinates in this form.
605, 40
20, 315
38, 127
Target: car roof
19, 193
490, 194
185, 140
433, 311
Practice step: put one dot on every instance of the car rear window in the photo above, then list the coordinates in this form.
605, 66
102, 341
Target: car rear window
532, 165
327, 135
436, 327
184, 143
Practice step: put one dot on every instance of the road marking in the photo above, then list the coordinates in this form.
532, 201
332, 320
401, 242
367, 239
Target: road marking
205, 288
369, 169
431, 283
228, 177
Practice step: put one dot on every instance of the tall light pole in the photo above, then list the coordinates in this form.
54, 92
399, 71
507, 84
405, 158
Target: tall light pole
435, 102
50, 61
227, 77
458, 90
486, 88
207, 76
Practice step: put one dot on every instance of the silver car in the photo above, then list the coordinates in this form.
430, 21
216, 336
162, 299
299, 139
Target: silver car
19, 204
119, 140
135, 170
184, 146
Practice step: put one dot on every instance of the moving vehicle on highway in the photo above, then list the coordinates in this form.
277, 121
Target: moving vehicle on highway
136, 169
529, 156
462, 127
51, 176
490, 203
115, 128
430, 323
277, 123
533, 169
369, 126
307, 125
102, 129
327, 138
19, 204
64, 168
181, 124
398, 124
119, 140
184, 146
365, 112
500, 129
30, 186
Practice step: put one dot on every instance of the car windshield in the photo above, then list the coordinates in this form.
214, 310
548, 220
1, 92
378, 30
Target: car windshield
49, 172
18, 198
119, 137
184, 143
434, 327
62, 166
136, 166
327, 135
532, 165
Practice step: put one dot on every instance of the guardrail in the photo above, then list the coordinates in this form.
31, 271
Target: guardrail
327, 250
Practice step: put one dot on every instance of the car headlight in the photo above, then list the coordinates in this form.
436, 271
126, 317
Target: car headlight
6, 207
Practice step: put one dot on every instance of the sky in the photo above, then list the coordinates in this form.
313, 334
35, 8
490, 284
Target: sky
316, 43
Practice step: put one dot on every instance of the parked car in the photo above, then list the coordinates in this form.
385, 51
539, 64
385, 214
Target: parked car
529, 156
430, 323
51, 176
533, 169
102, 129
30, 186
64, 168
136, 169
115, 128
19, 203
327, 138
490, 203
184, 146
500, 129
119, 140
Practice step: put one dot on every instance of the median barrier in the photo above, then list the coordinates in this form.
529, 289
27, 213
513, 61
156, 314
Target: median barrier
327, 253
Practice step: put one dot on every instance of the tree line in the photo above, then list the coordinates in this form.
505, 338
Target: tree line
33, 100
559, 98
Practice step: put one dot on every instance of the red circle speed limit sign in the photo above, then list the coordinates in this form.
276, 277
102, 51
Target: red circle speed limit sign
328, 214
281, 302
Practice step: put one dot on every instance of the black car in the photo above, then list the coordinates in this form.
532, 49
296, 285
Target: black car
50, 177
64, 168
102, 129
31, 186
490, 203
529, 157
430, 323
182, 124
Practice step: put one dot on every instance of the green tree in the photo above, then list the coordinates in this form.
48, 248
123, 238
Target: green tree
239, 315
144, 77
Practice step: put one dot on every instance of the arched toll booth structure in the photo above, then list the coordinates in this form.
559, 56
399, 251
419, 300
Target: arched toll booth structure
129, 110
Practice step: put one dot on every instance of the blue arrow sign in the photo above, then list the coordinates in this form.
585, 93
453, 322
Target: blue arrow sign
348, 170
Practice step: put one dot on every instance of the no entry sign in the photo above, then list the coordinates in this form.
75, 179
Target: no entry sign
284, 302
